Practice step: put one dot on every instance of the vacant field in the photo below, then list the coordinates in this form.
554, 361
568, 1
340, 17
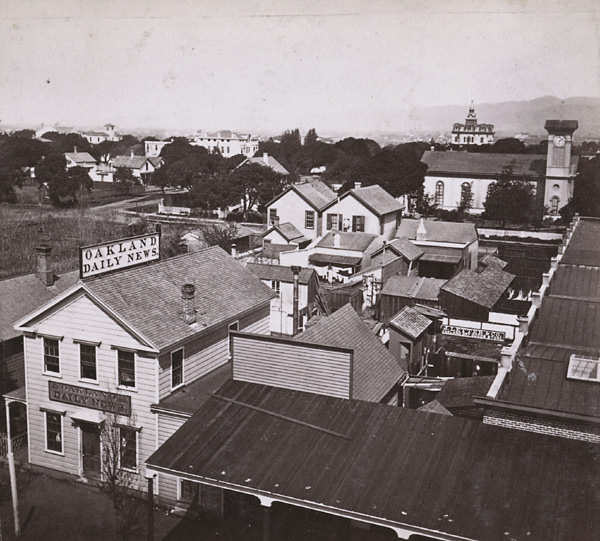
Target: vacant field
23, 228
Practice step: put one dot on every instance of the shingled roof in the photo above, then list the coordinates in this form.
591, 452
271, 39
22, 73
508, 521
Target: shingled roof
129, 162
415, 287
21, 295
451, 232
484, 288
358, 242
84, 158
375, 198
376, 371
148, 297
316, 193
410, 322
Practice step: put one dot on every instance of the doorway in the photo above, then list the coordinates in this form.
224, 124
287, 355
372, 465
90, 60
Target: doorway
90, 450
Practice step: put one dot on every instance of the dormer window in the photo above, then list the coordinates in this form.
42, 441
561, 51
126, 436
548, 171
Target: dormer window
584, 368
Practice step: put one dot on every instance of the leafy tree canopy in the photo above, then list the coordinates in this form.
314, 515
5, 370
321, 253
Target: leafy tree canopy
509, 199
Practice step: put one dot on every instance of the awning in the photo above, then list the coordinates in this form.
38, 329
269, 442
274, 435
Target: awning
334, 259
16, 395
441, 258
88, 416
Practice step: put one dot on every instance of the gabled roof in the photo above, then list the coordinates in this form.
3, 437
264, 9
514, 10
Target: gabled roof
415, 287
459, 392
80, 157
434, 407
486, 164
358, 242
267, 161
288, 231
451, 232
130, 162
483, 288
156, 161
444, 476
376, 371
280, 273
374, 197
490, 260
402, 247
316, 193
21, 295
148, 297
410, 322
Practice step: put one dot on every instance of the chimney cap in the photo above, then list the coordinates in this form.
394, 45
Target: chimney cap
296, 269
43, 248
188, 290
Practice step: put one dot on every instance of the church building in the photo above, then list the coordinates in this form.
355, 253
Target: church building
449, 174
471, 133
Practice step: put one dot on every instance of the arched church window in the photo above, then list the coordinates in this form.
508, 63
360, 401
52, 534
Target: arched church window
439, 193
554, 202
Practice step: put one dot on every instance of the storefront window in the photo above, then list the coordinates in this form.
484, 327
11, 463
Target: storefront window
54, 432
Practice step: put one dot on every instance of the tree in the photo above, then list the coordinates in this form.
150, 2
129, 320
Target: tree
63, 184
466, 200
256, 185
311, 137
218, 235
586, 192
509, 199
125, 179
510, 145
423, 204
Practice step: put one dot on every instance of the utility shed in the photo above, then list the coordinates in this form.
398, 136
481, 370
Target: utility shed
401, 291
415, 473
409, 341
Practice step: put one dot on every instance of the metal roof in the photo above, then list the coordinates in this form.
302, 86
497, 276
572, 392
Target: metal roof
358, 242
395, 466
441, 258
451, 232
280, 273
335, 259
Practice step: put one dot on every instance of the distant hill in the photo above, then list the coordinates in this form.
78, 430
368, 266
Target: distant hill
511, 117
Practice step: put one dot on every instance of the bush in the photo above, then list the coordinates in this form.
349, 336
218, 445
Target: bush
253, 217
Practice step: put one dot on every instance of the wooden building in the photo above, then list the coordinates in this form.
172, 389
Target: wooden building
409, 340
401, 291
99, 355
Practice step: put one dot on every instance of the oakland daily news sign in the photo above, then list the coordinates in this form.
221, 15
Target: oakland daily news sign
119, 254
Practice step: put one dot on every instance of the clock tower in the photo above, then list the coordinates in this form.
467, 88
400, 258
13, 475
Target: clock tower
560, 165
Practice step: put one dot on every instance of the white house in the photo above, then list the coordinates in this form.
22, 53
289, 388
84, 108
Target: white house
281, 280
227, 142
267, 161
152, 149
140, 166
368, 209
117, 349
96, 137
301, 205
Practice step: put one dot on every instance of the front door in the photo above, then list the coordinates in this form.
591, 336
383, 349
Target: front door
90, 449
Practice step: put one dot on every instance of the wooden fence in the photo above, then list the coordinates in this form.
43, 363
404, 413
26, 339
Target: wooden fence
18, 441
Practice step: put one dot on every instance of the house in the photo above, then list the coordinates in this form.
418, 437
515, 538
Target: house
281, 280
140, 166
266, 161
472, 133
152, 149
448, 246
98, 172
551, 385
339, 255
19, 296
449, 174
106, 350
301, 205
409, 340
271, 449
368, 209
400, 291
227, 142
97, 137
280, 238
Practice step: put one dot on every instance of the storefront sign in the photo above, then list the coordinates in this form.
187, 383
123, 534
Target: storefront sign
466, 332
90, 398
119, 254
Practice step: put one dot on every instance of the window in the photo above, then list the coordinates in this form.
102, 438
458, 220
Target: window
439, 193
128, 447
273, 218
126, 368
176, 368
334, 222
189, 491
309, 219
584, 368
358, 223
276, 286
51, 359
87, 356
54, 432
554, 202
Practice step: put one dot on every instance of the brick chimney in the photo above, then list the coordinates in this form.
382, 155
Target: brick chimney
336, 240
187, 296
44, 269
265, 158
421, 231
357, 185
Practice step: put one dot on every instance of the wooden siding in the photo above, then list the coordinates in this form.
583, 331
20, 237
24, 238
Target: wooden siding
83, 320
292, 365
209, 351
167, 426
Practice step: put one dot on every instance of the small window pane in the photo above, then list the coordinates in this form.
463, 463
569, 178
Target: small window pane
51, 359
128, 448
177, 368
88, 361
53, 432
126, 368
309, 219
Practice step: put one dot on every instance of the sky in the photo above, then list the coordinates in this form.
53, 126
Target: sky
272, 65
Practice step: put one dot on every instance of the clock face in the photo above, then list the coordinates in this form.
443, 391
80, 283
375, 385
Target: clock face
559, 141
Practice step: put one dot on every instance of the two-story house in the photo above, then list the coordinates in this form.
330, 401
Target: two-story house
302, 206
140, 166
368, 209
105, 354
281, 280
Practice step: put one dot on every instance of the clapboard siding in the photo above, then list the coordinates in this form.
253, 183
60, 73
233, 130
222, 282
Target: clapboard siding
292, 366
209, 351
81, 319
168, 488
168, 425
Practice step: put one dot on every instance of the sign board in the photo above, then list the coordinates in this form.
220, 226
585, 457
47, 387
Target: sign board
118, 254
481, 334
89, 398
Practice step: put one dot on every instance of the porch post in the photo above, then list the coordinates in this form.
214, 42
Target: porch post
11, 471
150, 516
266, 522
